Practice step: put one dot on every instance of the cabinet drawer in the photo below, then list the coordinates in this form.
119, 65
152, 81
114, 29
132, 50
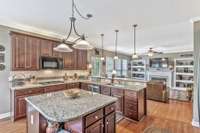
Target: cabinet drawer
131, 94
131, 106
73, 85
29, 91
118, 92
131, 114
55, 88
110, 108
105, 90
93, 117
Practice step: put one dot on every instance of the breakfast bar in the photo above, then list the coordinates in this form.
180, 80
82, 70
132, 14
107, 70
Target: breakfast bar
72, 110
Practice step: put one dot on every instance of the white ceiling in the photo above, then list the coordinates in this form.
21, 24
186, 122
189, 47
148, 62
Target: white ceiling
163, 24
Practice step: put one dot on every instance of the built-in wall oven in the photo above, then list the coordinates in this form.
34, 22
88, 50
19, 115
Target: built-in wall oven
51, 63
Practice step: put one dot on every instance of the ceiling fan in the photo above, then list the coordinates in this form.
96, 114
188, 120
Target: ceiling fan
151, 52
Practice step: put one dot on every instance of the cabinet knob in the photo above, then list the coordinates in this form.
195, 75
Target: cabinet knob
107, 123
96, 117
112, 108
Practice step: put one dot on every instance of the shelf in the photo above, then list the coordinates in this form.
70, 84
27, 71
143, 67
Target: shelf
187, 74
185, 66
185, 81
138, 72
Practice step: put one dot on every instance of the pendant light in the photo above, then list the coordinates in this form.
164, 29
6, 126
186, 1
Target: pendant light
116, 39
80, 42
102, 51
150, 52
62, 48
134, 56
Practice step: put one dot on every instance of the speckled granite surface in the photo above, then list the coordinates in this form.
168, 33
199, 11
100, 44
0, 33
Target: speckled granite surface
58, 107
136, 86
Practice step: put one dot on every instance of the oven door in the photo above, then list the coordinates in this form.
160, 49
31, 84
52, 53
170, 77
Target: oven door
51, 63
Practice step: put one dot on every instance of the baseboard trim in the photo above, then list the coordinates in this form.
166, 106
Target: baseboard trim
5, 115
195, 123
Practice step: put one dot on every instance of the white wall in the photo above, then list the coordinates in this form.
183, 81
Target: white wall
4, 86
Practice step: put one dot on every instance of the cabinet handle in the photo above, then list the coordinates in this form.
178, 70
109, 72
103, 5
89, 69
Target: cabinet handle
112, 108
107, 123
96, 117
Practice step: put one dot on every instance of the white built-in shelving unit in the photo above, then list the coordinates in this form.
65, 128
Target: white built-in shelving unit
183, 73
138, 69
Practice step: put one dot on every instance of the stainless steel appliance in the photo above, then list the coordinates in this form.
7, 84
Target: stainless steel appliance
94, 88
51, 63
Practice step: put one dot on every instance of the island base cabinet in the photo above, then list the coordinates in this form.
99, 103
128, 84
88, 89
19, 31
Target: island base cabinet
97, 127
110, 123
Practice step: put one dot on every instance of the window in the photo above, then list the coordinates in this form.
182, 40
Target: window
118, 67
96, 66
124, 68
109, 66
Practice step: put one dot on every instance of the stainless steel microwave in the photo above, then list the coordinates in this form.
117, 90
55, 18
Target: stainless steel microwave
51, 63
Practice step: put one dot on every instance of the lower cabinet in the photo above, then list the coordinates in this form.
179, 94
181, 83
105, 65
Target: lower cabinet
110, 123
97, 127
84, 86
20, 110
55, 88
119, 94
73, 85
105, 90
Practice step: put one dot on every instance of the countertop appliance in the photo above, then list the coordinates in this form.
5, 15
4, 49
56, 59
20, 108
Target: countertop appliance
51, 63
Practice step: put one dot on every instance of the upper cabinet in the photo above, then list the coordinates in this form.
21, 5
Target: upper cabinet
27, 50
81, 59
46, 48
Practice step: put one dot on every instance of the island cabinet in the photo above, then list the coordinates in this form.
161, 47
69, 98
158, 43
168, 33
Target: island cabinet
19, 103
135, 104
119, 94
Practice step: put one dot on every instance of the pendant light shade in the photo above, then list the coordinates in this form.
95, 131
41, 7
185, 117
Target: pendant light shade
82, 45
134, 56
114, 72
62, 48
150, 52
116, 41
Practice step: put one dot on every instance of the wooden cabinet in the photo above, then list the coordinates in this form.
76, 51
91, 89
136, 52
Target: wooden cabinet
70, 60
20, 103
134, 104
97, 127
110, 123
84, 86
54, 88
25, 52
73, 85
55, 53
32, 54
105, 90
46, 48
18, 51
119, 94
81, 59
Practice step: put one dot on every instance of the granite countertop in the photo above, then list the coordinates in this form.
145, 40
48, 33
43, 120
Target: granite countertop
136, 86
51, 107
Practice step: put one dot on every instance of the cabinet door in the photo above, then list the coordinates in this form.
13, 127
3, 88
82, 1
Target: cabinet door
105, 90
56, 54
32, 54
97, 127
20, 110
46, 48
81, 59
73, 85
119, 94
110, 123
70, 60
18, 51
84, 86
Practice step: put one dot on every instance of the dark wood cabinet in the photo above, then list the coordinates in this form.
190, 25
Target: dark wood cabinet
32, 54
81, 59
46, 48
97, 127
55, 53
70, 60
105, 90
20, 103
73, 85
18, 51
110, 123
84, 86
54, 88
119, 94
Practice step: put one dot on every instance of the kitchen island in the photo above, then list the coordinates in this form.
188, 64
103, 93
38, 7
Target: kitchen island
88, 113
